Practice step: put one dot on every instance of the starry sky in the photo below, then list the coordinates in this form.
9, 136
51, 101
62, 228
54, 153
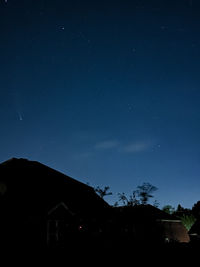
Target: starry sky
106, 92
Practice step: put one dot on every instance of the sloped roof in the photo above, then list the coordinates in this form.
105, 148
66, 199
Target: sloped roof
145, 212
151, 221
37, 185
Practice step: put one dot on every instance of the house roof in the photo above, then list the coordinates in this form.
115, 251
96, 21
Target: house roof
146, 212
32, 184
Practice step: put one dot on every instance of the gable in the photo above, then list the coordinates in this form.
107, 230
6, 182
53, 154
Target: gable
60, 211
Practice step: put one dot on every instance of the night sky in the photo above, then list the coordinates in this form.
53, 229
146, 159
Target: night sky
106, 92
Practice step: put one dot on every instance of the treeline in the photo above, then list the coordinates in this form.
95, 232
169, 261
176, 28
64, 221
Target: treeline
187, 216
142, 195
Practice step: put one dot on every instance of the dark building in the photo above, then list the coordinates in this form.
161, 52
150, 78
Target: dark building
43, 207
146, 224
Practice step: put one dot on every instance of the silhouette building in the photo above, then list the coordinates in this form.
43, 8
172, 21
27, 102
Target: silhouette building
41, 207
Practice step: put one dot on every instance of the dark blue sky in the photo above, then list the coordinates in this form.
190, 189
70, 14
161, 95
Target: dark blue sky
107, 92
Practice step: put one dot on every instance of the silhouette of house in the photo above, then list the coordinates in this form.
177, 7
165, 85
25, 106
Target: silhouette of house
40, 205
148, 224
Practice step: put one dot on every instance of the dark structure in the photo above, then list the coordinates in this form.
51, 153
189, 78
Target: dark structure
147, 224
194, 232
43, 208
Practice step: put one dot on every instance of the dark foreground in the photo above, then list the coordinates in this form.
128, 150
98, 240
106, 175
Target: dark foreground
106, 254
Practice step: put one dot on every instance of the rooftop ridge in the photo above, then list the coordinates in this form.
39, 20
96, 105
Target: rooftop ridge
39, 164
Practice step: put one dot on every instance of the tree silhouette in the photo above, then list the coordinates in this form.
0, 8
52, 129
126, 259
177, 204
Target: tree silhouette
196, 209
131, 201
123, 198
145, 191
103, 192
180, 208
139, 196
168, 209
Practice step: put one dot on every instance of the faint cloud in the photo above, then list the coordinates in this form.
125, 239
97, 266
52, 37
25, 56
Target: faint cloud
108, 144
132, 147
137, 147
